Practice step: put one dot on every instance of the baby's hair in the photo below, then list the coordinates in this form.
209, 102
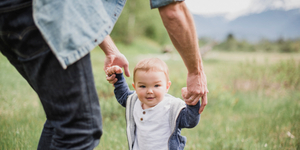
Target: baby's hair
151, 64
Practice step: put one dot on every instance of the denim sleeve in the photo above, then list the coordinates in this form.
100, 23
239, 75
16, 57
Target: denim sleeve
160, 3
189, 116
122, 90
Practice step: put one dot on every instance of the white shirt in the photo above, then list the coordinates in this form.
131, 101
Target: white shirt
152, 126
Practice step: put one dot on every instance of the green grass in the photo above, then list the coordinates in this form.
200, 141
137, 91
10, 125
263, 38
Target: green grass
254, 101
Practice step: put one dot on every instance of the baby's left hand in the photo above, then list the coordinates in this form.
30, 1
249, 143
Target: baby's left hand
111, 74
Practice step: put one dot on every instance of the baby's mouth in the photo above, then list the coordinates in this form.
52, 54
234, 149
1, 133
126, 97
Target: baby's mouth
149, 98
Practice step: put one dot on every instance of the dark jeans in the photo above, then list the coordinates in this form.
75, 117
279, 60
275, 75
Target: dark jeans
69, 97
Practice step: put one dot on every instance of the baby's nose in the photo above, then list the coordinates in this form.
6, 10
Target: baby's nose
149, 90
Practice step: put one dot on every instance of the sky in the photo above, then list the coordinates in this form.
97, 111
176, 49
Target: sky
232, 9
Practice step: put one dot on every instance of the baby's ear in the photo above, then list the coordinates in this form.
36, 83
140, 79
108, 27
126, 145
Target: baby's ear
168, 85
133, 85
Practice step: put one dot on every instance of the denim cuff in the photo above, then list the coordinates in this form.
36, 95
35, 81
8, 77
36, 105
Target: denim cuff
197, 106
160, 3
120, 77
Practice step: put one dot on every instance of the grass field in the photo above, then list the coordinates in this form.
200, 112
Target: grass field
254, 101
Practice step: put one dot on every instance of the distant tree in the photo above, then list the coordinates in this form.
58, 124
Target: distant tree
136, 20
230, 37
229, 44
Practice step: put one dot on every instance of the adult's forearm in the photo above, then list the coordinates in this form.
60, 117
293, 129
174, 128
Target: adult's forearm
181, 29
108, 46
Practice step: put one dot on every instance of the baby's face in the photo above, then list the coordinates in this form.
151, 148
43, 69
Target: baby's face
150, 87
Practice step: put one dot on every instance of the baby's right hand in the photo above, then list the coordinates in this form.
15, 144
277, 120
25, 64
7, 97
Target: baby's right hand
111, 73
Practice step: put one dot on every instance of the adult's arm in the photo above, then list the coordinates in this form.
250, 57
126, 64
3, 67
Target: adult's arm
113, 55
181, 28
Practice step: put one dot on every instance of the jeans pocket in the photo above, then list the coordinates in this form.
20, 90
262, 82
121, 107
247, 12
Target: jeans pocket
20, 36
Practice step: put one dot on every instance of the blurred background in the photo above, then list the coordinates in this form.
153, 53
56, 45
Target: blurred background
250, 25
251, 56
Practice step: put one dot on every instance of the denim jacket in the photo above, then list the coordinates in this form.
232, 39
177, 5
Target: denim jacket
181, 115
72, 28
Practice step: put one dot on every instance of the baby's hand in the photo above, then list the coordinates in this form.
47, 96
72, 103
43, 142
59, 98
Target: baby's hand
183, 94
113, 70
111, 74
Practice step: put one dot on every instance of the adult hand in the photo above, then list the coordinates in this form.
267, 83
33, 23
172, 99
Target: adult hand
113, 55
117, 59
196, 89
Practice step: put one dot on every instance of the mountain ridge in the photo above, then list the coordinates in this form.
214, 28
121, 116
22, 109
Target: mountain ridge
270, 24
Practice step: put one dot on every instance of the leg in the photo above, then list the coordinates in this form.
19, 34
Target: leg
46, 137
69, 97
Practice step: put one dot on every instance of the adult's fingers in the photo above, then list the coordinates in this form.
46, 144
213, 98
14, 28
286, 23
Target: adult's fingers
192, 94
193, 100
196, 100
126, 71
203, 103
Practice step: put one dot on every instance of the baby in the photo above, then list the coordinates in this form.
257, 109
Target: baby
154, 118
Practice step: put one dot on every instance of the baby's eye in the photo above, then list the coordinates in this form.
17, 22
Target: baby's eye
142, 86
157, 85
